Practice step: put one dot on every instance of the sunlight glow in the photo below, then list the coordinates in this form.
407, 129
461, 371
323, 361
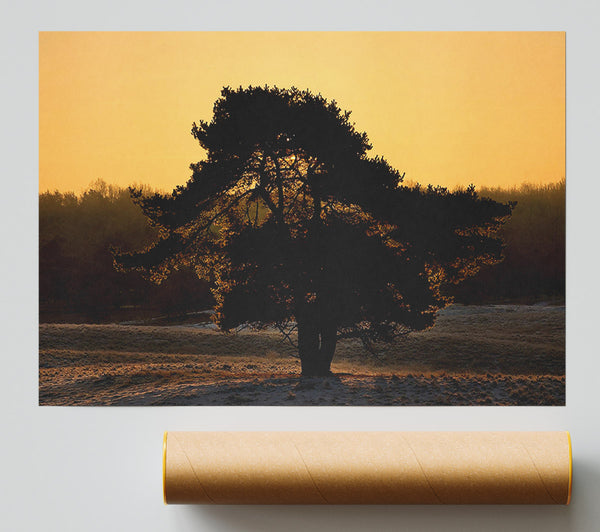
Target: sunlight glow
447, 108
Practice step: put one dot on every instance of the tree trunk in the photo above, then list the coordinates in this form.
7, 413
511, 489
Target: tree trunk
328, 342
316, 346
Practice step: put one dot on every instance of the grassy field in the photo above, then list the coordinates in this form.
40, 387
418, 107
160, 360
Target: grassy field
475, 355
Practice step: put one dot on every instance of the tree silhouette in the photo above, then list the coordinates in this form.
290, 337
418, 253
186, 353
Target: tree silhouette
297, 227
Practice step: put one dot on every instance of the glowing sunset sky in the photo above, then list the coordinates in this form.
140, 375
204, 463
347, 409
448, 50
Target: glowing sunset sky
446, 108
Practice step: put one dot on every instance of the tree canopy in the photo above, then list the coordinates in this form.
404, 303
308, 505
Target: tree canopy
296, 226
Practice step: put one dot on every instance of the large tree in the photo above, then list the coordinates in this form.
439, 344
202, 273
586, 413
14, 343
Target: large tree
296, 226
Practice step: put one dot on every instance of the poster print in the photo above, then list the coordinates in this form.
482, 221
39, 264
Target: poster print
302, 218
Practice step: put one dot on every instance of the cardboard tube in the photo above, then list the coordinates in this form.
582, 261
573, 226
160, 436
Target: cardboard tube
367, 467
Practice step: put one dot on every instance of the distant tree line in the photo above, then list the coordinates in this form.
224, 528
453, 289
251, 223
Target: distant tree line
77, 278
78, 281
534, 266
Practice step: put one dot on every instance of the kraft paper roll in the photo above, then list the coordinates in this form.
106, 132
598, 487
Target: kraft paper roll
367, 467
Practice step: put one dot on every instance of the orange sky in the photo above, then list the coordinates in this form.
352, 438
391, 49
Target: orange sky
446, 108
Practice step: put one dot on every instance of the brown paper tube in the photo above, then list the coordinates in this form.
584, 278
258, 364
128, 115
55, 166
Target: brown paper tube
367, 467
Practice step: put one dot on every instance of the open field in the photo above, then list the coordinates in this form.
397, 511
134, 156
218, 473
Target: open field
475, 355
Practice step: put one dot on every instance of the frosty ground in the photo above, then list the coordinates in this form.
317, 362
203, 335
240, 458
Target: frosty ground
474, 355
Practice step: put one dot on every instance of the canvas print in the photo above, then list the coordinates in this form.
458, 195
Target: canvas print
302, 218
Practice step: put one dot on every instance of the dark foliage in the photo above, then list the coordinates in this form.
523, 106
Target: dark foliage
534, 266
296, 226
77, 279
